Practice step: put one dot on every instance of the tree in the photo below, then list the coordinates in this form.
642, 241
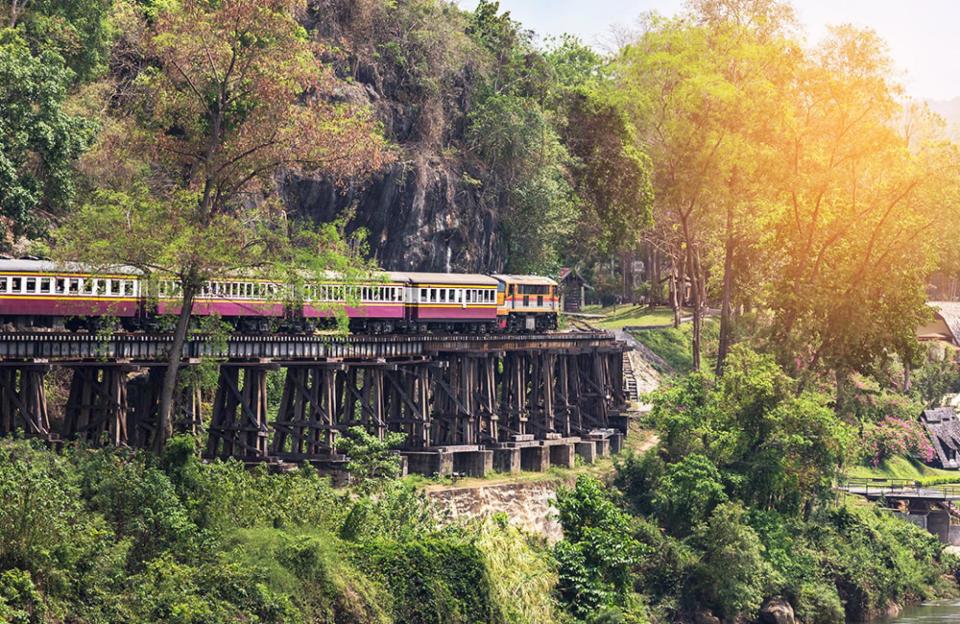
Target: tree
702, 90
853, 237
77, 30
235, 95
39, 141
732, 572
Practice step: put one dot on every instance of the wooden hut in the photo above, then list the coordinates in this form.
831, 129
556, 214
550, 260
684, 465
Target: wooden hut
573, 288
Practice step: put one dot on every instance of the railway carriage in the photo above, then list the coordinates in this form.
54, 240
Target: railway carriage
43, 294
39, 293
451, 301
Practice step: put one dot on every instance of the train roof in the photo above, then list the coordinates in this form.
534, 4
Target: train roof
460, 279
533, 280
49, 266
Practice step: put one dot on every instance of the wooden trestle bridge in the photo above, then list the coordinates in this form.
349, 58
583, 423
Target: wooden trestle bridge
466, 403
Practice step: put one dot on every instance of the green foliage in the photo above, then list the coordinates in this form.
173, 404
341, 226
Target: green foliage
731, 574
936, 378
687, 493
775, 450
77, 30
20, 602
39, 140
434, 580
599, 554
372, 461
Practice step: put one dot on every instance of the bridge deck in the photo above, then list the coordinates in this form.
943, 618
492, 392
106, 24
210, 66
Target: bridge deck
17, 347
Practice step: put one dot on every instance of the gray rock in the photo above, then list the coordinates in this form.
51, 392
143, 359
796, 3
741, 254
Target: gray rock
776, 610
705, 617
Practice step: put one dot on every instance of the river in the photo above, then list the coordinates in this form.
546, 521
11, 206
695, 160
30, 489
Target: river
938, 612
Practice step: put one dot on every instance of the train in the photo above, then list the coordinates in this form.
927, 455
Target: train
39, 294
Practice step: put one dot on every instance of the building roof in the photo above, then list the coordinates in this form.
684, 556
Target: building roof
949, 311
943, 427
568, 274
533, 280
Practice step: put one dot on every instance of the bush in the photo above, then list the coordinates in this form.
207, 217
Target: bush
433, 580
731, 574
896, 436
599, 555
687, 493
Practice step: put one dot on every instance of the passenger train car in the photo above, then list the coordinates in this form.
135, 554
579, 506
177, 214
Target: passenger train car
42, 294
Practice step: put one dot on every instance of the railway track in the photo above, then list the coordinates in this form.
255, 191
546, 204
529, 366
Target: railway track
49, 345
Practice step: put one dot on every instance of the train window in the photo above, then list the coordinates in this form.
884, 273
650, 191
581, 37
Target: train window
451, 295
3, 284
59, 285
423, 295
17, 284
540, 300
115, 288
73, 286
443, 295
128, 289
469, 296
45, 285
31, 285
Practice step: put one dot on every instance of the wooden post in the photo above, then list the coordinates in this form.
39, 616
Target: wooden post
96, 410
23, 401
239, 424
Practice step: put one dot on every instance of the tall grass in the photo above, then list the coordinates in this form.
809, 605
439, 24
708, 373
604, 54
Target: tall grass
521, 571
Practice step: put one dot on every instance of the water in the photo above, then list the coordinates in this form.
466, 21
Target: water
930, 613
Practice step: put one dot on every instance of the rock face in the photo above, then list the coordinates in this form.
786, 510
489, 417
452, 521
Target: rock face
776, 610
705, 617
420, 216
528, 505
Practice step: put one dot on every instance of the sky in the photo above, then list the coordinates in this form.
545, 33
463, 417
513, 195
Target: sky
923, 35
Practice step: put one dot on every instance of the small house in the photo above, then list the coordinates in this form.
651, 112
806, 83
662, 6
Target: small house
573, 288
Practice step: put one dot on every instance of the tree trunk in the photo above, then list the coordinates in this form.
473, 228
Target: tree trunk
726, 312
165, 420
675, 301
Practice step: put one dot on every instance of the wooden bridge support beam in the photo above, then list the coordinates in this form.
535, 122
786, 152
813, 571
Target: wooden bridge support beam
514, 413
406, 402
541, 395
238, 427
23, 400
143, 397
96, 410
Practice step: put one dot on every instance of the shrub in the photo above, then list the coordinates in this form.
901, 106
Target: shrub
731, 574
687, 493
599, 556
896, 436
433, 580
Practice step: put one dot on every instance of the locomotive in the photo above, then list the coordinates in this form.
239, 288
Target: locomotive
38, 294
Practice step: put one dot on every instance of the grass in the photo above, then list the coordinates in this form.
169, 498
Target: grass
905, 468
674, 345
633, 315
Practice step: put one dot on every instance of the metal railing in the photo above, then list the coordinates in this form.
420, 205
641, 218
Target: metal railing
881, 486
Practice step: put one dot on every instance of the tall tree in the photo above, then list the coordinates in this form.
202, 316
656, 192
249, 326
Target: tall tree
39, 140
235, 94
673, 83
854, 239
